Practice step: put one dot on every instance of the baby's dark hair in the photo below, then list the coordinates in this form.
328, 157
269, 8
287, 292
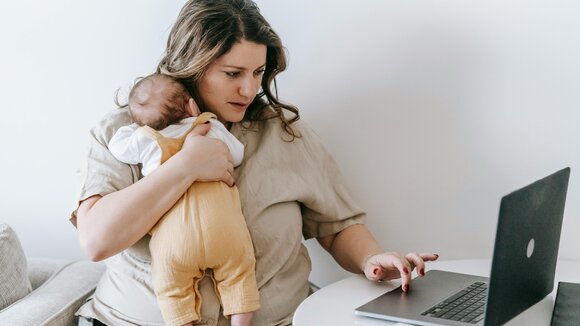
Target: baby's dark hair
157, 101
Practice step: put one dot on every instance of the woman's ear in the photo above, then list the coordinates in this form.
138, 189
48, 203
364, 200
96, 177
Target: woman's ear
192, 107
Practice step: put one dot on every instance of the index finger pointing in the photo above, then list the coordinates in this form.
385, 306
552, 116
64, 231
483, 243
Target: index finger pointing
428, 256
405, 270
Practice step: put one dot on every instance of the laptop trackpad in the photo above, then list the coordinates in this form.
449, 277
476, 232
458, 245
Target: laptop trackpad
425, 292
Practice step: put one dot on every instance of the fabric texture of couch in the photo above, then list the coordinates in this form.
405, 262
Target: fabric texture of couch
57, 288
14, 282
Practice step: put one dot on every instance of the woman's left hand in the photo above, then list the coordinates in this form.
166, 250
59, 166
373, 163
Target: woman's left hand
392, 265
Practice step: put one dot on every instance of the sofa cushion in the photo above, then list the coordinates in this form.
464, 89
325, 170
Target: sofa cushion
55, 302
14, 282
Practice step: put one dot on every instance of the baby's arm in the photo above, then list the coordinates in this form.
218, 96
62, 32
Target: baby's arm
129, 145
219, 131
124, 145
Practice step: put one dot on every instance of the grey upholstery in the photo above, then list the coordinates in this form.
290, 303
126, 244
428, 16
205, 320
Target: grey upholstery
59, 287
14, 283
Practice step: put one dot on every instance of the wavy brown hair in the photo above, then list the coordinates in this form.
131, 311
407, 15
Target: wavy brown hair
206, 30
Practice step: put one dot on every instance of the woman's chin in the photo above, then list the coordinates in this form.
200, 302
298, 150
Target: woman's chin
236, 117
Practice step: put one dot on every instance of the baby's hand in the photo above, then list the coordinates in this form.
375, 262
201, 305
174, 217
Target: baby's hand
193, 108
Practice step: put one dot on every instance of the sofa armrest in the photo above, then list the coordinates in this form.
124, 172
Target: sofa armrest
42, 269
57, 299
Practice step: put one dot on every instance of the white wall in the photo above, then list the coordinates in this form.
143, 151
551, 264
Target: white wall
433, 109
61, 62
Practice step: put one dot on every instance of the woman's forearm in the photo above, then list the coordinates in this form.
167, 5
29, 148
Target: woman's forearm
110, 224
351, 246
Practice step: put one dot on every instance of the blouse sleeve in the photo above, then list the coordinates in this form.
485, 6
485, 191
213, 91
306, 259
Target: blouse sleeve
327, 206
102, 173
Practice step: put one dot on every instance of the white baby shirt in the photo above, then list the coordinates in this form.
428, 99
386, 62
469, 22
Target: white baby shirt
132, 147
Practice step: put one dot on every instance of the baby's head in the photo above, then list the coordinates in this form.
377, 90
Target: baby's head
159, 100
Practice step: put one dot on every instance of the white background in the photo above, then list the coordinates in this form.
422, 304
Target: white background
432, 109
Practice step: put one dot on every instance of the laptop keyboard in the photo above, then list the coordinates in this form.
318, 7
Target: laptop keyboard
467, 305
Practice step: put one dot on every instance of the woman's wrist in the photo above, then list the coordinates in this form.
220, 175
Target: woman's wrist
365, 261
184, 168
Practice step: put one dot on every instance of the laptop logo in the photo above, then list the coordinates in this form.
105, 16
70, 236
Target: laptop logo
531, 245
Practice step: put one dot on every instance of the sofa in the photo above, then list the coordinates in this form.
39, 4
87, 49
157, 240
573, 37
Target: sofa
41, 291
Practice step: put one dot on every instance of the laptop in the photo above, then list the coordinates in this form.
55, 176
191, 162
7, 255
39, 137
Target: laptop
522, 272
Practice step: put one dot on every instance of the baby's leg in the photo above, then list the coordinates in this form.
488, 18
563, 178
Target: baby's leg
176, 290
175, 275
230, 253
243, 319
236, 280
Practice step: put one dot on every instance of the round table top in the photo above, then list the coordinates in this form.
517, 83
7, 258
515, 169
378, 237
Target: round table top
335, 303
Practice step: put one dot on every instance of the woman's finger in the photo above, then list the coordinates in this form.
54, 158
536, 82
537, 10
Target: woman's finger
229, 179
200, 130
405, 271
416, 261
230, 170
392, 265
428, 256
231, 160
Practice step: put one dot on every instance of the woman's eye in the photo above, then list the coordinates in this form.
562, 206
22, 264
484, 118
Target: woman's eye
232, 73
259, 72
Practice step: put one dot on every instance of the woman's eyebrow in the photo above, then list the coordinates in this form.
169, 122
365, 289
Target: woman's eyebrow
241, 68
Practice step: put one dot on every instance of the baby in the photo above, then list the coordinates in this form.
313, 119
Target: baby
209, 212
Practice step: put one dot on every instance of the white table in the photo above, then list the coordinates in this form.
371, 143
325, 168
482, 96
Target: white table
334, 304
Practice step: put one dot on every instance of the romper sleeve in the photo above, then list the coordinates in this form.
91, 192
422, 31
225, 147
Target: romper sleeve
327, 206
125, 145
219, 131
102, 172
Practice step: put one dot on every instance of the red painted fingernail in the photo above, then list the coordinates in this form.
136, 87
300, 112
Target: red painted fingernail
423, 271
405, 288
405, 270
436, 255
376, 271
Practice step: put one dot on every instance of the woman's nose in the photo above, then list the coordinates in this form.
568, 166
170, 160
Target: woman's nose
248, 87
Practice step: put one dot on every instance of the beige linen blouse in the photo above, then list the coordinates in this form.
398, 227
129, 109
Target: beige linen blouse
289, 191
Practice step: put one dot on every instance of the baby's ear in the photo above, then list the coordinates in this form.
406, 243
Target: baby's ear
193, 108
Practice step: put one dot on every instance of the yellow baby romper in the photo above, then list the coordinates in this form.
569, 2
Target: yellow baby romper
204, 229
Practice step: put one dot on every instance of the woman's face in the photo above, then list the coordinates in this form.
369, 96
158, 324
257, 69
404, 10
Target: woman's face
231, 82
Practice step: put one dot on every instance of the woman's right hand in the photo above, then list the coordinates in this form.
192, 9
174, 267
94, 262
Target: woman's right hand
210, 157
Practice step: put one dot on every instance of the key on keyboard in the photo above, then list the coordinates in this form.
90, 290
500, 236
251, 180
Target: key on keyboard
467, 305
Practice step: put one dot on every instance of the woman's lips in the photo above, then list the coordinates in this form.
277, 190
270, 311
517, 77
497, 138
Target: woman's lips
240, 106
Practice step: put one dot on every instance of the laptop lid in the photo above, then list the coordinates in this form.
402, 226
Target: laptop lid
526, 247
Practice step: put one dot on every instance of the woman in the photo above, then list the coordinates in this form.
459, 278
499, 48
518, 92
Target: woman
227, 55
